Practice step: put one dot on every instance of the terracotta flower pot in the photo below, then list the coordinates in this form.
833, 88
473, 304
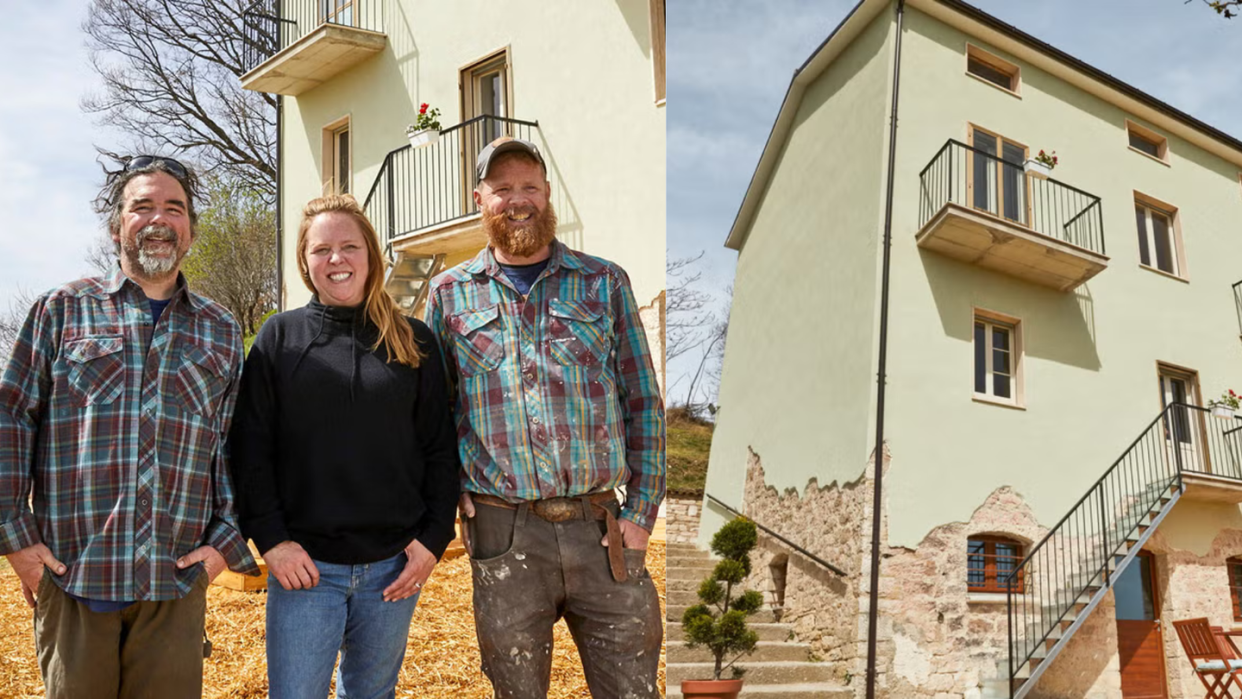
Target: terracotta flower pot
710, 689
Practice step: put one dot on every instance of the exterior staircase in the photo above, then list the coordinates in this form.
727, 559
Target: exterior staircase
779, 668
1065, 576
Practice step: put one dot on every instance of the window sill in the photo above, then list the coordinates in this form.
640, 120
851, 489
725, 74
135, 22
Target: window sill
992, 400
994, 86
1163, 273
1149, 156
986, 598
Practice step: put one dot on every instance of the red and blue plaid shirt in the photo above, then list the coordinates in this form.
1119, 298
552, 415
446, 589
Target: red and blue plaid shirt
556, 392
118, 427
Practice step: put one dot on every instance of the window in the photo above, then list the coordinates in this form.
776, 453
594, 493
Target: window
657, 47
989, 561
1159, 236
996, 181
992, 69
1147, 142
485, 93
1235, 586
998, 358
338, 11
337, 162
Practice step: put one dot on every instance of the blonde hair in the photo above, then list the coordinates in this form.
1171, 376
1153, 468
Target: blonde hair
394, 330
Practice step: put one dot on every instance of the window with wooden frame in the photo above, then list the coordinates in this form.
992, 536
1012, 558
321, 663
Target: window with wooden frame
995, 179
993, 69
656, 8
998, 358
1235, 586
1159, 236
1147, 142
989, 561
337, 158
486, 92
338, 11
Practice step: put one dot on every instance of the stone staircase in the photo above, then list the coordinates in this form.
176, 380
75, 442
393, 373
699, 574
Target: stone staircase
779, 668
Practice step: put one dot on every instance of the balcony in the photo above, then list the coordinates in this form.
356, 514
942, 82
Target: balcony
1208, 452
983, 210
295, 45
422, 203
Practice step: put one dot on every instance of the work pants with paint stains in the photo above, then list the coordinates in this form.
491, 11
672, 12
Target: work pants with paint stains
529, 573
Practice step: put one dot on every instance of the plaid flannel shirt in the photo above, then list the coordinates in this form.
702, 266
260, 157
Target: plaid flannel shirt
556, 395
119, 427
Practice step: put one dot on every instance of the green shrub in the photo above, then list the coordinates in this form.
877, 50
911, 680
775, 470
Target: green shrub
719, 621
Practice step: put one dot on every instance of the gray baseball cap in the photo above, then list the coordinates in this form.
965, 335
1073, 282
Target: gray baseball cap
505, 144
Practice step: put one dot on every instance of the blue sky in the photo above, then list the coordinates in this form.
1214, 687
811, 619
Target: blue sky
729, 64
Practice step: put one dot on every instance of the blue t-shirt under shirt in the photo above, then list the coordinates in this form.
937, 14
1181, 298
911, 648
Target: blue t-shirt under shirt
524, 276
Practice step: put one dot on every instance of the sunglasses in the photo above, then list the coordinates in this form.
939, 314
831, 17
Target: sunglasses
173, 167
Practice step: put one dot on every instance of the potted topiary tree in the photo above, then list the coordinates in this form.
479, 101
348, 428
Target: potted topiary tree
718, 622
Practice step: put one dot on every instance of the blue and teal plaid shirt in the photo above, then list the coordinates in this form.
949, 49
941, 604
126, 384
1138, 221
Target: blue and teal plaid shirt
119, 428
556, 393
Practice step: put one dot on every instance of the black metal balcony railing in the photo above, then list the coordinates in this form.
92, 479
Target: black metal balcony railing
272, 25
974, 179
431, 185
1103, 530
1237, 303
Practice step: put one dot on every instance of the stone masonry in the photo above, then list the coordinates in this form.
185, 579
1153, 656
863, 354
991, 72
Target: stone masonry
682, 509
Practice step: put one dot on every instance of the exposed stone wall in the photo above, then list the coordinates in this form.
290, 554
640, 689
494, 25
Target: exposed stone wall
1192, 585
831, 522
682, 517
653, 319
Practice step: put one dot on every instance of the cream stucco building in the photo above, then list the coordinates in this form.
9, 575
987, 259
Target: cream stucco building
1049, 338
583, 80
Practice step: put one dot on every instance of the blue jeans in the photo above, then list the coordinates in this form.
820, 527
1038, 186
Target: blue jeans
345, 612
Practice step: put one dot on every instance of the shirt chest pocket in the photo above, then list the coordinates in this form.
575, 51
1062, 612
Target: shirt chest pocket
199, 382
478, 340
579, 332
96, 369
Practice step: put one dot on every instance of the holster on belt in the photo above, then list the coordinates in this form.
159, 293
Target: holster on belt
586, 507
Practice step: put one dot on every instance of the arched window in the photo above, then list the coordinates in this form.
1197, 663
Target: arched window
989, 561
1235, 586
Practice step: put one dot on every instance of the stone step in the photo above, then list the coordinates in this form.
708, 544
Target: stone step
763, 615
808, 690
682, 563
685, 548
780, 672
765, 651
767, 631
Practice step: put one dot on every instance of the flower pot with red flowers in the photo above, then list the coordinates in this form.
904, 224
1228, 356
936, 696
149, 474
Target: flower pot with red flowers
1041, 165
718, 622
426, 128
1227, 407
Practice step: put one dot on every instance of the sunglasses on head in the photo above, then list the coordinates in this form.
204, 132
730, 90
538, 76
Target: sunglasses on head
173, 167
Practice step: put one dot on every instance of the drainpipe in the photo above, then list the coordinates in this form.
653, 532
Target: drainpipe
873, 603
280, 248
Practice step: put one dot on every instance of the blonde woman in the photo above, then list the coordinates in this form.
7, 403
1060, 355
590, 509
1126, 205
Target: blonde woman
346, 465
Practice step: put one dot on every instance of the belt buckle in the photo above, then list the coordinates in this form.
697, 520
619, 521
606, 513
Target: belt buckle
556, 510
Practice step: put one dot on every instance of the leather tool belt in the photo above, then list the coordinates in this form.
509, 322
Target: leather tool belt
585, 507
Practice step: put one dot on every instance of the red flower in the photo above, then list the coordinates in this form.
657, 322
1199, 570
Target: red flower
423, 109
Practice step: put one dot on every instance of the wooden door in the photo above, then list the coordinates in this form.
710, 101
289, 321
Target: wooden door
1139, 639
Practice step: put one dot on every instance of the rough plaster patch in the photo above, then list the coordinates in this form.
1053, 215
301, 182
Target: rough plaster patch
912, 662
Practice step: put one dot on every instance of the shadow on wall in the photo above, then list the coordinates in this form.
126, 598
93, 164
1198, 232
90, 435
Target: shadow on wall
637, 17
1059, 327
569, 222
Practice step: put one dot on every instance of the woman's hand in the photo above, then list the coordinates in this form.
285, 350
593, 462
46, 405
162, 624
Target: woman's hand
418, 565
292, 566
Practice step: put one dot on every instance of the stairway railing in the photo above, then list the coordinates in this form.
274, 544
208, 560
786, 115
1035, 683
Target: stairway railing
1080, 554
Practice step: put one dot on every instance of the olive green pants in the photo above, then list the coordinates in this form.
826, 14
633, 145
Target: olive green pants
148, 649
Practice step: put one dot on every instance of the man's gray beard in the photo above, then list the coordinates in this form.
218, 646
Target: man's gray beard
520, 243
148, 265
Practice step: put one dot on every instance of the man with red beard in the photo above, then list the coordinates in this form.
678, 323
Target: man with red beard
557, 406
113, 407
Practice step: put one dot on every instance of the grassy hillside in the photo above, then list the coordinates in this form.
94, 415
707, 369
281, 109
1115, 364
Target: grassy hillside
689, 443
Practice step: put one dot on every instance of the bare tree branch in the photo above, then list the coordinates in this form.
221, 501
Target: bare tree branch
11, 321
686, 311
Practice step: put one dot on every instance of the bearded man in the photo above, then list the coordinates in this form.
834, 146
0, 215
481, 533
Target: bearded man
113, 408
557, 406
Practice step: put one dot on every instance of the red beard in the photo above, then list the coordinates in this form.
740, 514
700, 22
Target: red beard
524, 241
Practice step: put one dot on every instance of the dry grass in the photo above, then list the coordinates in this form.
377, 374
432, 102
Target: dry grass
442, 657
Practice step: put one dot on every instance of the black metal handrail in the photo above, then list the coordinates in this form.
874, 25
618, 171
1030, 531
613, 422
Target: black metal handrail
1079, 550
272, 25
780, 538
1237, 302
972, 178
431, 185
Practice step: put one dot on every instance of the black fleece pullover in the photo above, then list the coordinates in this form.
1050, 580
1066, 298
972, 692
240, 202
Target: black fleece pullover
338, 449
